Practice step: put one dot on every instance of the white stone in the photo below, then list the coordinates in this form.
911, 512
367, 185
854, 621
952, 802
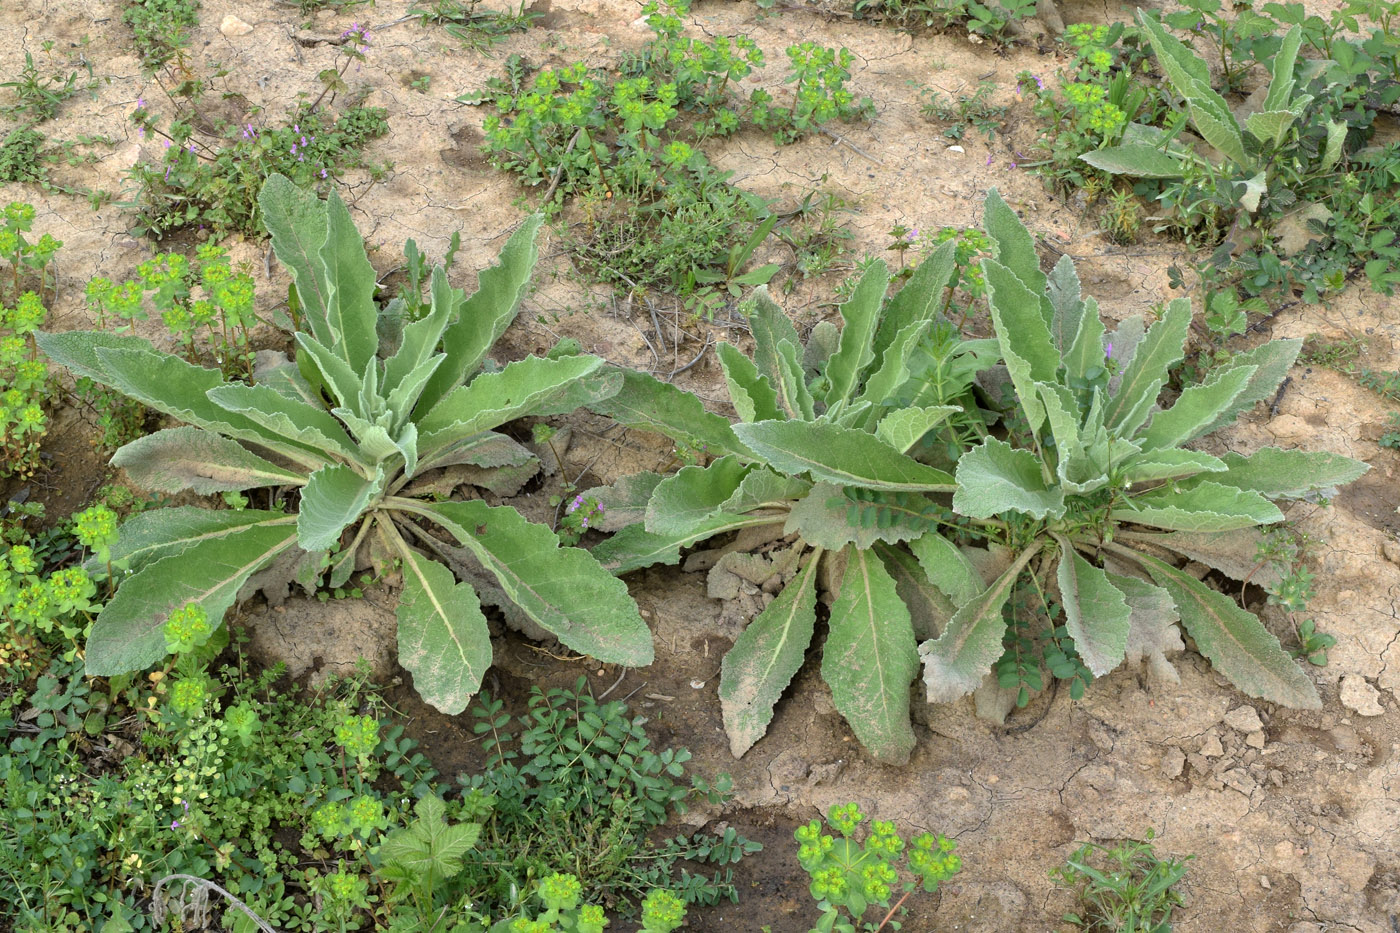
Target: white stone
1360, 697
1243, 719
233, 26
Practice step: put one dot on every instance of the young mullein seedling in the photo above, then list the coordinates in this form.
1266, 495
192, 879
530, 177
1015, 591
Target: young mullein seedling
849, 878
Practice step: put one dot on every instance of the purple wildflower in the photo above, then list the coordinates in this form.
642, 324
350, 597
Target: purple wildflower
140, 102
323, 172
141, 132
166, 143
989, 158
174, 824
1108, 351
575, 505
1039, 83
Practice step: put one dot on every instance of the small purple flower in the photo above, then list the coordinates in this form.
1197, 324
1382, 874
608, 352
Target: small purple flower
323, 172
1108, 351
141, 132
575, 505
989, 158
166, 143
174, 824
140, 103
1039, 83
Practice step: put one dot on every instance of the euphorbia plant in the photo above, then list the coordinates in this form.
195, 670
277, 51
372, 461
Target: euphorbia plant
344, 439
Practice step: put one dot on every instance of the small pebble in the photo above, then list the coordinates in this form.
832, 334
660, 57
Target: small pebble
233, 26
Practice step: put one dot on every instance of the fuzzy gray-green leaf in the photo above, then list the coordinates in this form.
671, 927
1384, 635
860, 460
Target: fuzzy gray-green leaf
839, 455
861, 314
442, 637
1015, 249
292, 419
947, 568
903, 427
177, 459
156, 533
1205, 506
691, 495
1290, 474
994, 477
753, 395
1143, 377
333, 498
1096, 612
1196, 407
1138, 160
350, 283
648, 403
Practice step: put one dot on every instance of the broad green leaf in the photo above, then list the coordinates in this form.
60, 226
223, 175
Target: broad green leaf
1288, 474
1234, 553
1336, 139
769, 326
421, 337
892, 371
903, 427
861, 314
77, 349
648, 403
1255, 188
563, 589
375, 442
763, 488
157, 533
1062, 414
1015, 250
839, 455
443, 639
333, 498
1189, 75
429, 850
1272, 361
1096, 612
1234, 641
1206, 506
129, 633
407, 443
929, 609
1270, 126
484, 317
492, 399
343, 383
919, 301
1066, 305
1121, 347
487, 449
1021, 324
794, 397
599, 385
1143, 377
1138, 160
753, 395
350, 282
1281, 83
177, 459
947, 568
404, 396
1173, 462
870, 658
1086, 353
295, 218
292, 419
829, 519
1152, 626
1196, 407
956, 661
634, 547
624, 502
994, 477
759, 667
688, 497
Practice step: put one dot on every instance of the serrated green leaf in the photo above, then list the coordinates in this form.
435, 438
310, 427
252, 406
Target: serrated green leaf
648, 403
947, 568
691, 495
429, 850
334, 497
861, 314
129, 633
1196, 407
1167, 464
870, 658
484, 316
1137, 160
292, 419
1096, 611
994, 477
1205, 506
839, 455
177, 459
764, 658
1015, 250
903, 427
1143, 377
1291, 474
956, 661
1235, 642
753, 395
443, 639
563, 589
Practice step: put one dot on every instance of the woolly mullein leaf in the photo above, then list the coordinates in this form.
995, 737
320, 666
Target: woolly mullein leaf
350, 284
994, 477
1170, 463
753, 395
794, 396
1067, 307
903, 427
648, 403
1015, 250
919, 301
770, 326
1152, 631
1096, 612
1234, 553
333, 498
947, 568
443, 639
870, 658
1196, 407
1143, 377
839, 455
177, 459
765, 489
691, 495
1138, 160
1205, 506
1233, 640
295, 420
343, 383
929, 608
824, 518
764, 658
634, 547
1272, 361
156, 533
420, 338
1287, 474
861, 314
295, 217
892, 370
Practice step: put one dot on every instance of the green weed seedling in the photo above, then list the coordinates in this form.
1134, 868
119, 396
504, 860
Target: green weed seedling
25, 387
972, 110
29, 262
369, 405
38, 96
161, 28
852, 879
474, 27
1123, 889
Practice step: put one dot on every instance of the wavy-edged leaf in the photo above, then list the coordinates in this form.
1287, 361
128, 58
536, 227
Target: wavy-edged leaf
839, 455
333, 498
1096, 612
1272, 361
947, 568
1270, 126
563, 589
350, 282
343, 383
753, 395
765, 489
903, 427
1205, 506
129, 633
994, 477
794, 396
484, 317
177, 459
1015, 250
293, 419
375, 442
956, 661
692, 494
1234, 553
402, 397
443, 638
157, 533
420, 338
77, 350
1066, 305
1152, 632
929, 608
1138, 160
1196, 407
1288, 474
1188, 73
870, 658
1085, 357
295, 218
919, 301
648, 403
764, 658
1235, 642
1166, 464
770, 327
1143, 377
892, 370
634, 547
1281, 82
861, 314
429, 850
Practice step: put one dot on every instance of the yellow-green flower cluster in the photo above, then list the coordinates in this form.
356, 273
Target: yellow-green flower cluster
188, 695
932, 859
662, 911
358, 735
187, 628
560, 891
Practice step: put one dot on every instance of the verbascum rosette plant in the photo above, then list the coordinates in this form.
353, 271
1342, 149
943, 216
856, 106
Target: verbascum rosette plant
347, 441
879, 473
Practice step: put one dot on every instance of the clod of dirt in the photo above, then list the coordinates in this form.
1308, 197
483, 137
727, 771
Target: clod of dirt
327, 639
1244, 719
233, 26
1360, 697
